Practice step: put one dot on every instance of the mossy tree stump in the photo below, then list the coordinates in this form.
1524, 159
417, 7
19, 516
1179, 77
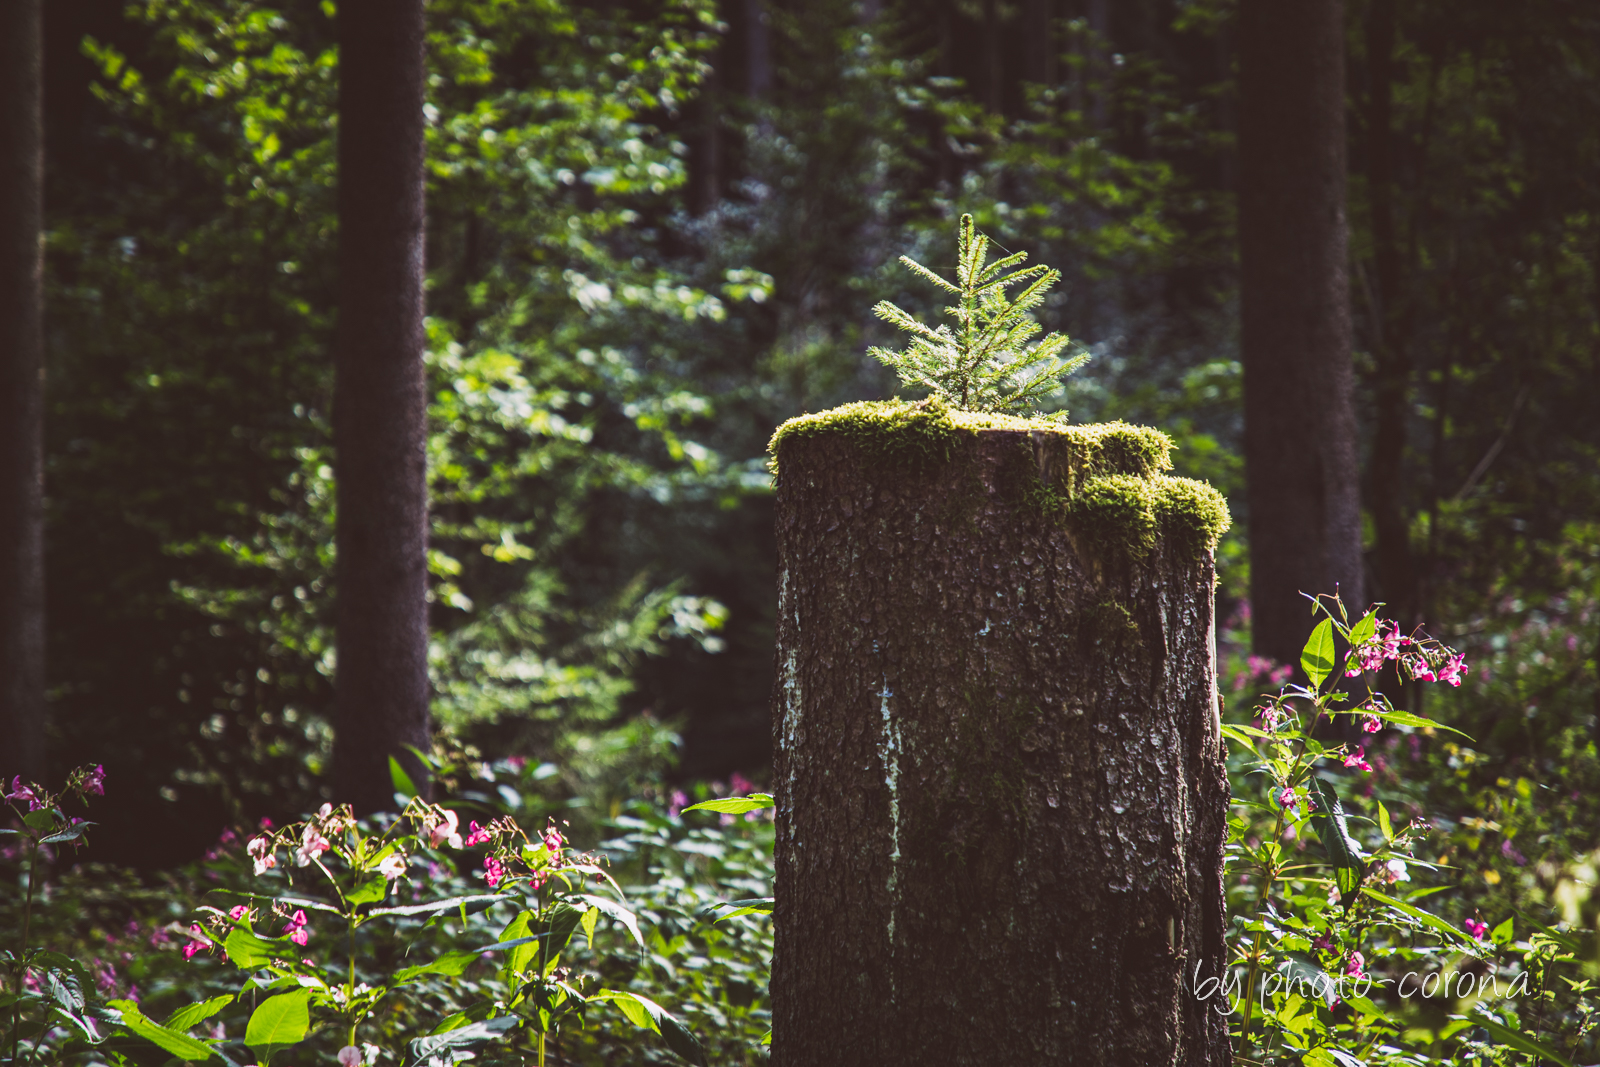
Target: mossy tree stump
1000, 788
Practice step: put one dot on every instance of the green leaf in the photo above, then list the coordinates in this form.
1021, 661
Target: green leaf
1316, 659
43, 819
1237, 734
1343, 852
436, 906
1405, 718
1383, 822
194, 1014
247, 951
402, 780
451, 963
750, 906
1425, 917
616, 911
425, 1048
180, 1045
563, 923
1364, 630
371, 891
734, 805
278, 1023
1518, 1040
69, 834
590, 917
522, 943
648, 1015
1504, 933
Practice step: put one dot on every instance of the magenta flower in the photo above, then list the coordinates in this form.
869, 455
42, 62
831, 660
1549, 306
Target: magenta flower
1358, 758
1323, 943
553, 841
296, 929
22, 792
677, 802
1287, 799
1355, 965
1371, 724
200, 942
1451, 671
493, 871
477, 837
238, 911
1476, 929
95, 781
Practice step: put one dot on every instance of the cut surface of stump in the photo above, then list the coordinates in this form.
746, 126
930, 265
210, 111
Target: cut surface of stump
998, 767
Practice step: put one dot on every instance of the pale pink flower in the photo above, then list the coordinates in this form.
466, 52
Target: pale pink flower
445, 830
260, 850
392, 866
1355, 965
1371, 724
312, 845
349, 1056
1394, 871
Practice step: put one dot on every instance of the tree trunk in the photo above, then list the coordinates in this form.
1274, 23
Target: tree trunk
1300, 429
1001, 797
1039, 49
380, 403
1392, 384
22, 706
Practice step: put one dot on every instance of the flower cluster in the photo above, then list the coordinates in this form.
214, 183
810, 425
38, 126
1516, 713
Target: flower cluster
1423, 658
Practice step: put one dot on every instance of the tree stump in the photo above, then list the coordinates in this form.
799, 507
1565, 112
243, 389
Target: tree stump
1001, 800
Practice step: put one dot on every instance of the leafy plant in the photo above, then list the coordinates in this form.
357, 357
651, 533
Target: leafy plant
985, 363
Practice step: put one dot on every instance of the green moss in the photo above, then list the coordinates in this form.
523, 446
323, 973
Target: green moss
1110, 487
923, 431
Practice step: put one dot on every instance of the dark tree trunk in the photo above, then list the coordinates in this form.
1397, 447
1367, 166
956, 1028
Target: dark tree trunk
1392, 383
758, 46
1300, 432
1001, 797
993, 83
380, 404
22, 706
1039, 49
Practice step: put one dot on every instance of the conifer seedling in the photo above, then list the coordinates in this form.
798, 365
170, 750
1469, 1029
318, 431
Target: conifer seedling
985, 363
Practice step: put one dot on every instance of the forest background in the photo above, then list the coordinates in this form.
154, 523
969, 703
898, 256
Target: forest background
655, 231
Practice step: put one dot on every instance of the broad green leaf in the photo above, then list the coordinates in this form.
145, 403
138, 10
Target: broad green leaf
178, 1044
1405, 718
750, 906
425, 1048
1316, 659
402, 780
1425, 917
1383, 822
1343, 852
69, 834
588, 921
562, 925
1518, 1040
65, 989
475, 1014
617, 912
734, 805
247, 951
1365, 629
451, 963
43, 819
279, 1022
1504, 933
648, 1015
1237, 734
194, 1014
475, 903
371, 891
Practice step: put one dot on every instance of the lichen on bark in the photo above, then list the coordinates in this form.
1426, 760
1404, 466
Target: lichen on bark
1001, 801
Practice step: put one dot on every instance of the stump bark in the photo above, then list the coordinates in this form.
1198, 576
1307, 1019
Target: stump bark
999, 779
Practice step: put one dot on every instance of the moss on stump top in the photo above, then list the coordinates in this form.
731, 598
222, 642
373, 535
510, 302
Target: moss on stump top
1111, 487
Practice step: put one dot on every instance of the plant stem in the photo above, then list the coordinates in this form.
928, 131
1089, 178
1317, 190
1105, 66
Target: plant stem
21, 968
541, 1049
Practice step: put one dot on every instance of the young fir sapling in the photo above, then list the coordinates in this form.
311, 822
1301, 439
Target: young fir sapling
986, 363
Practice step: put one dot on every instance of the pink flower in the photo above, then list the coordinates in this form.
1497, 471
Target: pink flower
1358, 758
1287, 799
1394, 871
477, 837
1323, 943
1451, 671
493, 871
238, 911
200, 942
677, 802
95, 781
1512, 853
553, 841
296, 928
740, 785
445, 830
349, 1056
312, 845
1371, 724
1476, 929
1355, 965
24, 792
260, 850
392, 866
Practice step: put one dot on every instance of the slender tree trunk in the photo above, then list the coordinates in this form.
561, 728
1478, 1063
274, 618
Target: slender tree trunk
993, 76
758, 45
22, 705
380, 403
1039, 49
1300, 429
1001, 800
1395, 578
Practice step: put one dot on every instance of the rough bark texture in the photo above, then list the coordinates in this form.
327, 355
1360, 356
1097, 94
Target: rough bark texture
1300, 429
22, 706
380, 406
1001, 801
